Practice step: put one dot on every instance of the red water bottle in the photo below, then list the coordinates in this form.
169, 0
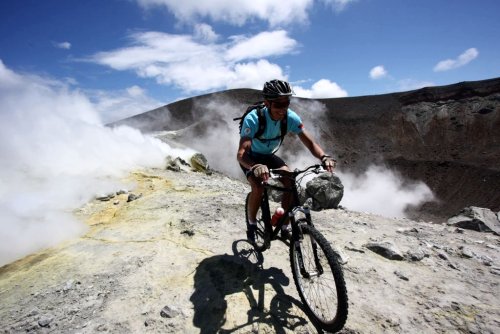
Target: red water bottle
277, 215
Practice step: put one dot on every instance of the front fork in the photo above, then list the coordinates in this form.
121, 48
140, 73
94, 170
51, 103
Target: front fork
298, 236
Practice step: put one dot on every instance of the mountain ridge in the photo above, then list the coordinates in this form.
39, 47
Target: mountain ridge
439, 135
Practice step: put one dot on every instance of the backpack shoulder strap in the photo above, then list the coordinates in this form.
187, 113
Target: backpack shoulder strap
260, 114
284, 126
262, 121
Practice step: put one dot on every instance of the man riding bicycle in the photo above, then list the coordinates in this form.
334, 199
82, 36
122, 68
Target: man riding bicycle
256, 155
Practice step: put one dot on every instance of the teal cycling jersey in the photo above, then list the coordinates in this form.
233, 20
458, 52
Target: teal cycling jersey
270, 140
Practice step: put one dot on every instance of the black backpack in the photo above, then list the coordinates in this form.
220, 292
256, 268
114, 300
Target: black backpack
262, 122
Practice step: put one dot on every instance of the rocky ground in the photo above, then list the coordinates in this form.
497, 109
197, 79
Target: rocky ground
173, 260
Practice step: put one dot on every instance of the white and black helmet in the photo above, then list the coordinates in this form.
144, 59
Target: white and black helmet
276, 88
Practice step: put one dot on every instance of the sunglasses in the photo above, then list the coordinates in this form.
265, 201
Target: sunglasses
281, 105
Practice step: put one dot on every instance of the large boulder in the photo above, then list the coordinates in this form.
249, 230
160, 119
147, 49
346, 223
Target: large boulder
177, 164
199, 163
477, 219
324, 192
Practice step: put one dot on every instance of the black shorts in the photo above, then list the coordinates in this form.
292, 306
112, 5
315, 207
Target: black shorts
272, 161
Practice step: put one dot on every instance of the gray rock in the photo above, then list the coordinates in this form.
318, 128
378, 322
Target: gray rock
45, 320
386, 249
133, 197
486, 260
69, 285
401, 275
325, 190
467, 253
443, 256
105, 198
169, 312
199, 163
477, 219
34, 312
416, 254
177, 165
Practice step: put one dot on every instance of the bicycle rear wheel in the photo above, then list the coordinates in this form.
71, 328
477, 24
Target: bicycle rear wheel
260, 244
321, 285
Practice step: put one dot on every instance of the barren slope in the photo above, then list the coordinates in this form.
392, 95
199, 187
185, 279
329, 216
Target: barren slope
173, 261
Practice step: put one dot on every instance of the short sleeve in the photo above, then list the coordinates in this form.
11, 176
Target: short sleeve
295, 124
250, 125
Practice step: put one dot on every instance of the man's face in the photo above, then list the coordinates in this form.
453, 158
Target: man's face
279, 107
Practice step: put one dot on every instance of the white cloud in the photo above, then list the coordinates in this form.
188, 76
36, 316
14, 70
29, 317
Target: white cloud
338, 5
465, 58
63, 45
236, 12
265, 44
321, 89
153, 48
378, 72
135, 91
194, 66
254, 74
54, 156
205, 32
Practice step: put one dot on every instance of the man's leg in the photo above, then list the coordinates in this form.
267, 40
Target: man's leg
286, 203
253, 207
286, 199
255, 198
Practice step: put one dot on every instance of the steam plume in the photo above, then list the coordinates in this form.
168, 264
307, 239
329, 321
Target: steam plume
55, 155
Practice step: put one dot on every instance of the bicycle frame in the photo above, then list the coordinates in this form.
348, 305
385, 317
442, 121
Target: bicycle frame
307, 247
290, 213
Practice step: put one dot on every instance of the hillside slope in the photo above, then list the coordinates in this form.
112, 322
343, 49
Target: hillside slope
445, 136
174, 261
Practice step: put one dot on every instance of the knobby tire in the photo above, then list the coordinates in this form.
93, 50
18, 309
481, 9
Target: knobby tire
323, 295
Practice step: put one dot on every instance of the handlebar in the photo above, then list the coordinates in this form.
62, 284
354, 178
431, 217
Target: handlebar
292, 175
276, 173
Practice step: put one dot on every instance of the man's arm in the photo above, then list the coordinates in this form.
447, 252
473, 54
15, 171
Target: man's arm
258, 170
242, 156
309, 142
316, 150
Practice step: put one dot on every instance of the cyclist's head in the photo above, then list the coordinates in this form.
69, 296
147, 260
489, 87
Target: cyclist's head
276, 88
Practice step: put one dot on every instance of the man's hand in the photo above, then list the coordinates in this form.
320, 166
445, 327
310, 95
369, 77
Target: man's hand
261, 171
328, 163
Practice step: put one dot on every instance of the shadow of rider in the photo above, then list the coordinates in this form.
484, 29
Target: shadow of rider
222, 275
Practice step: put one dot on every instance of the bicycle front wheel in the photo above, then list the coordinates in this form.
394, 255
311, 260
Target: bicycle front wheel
319, 279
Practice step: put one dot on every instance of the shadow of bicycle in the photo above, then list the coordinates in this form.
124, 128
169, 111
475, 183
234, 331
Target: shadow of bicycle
220, 276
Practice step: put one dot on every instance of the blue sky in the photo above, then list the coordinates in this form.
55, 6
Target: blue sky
129, 56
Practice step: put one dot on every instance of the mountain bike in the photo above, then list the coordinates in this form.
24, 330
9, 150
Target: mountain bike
316, 269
